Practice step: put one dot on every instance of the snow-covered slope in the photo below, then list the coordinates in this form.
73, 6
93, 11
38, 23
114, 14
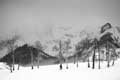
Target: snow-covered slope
52, 72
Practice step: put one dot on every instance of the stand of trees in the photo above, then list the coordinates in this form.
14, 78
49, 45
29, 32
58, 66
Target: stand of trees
24, 55
85, 50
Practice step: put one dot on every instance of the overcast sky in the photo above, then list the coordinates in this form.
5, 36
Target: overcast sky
34, 19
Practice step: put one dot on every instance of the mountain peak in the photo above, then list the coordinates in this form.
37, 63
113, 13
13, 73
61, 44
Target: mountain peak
105, 27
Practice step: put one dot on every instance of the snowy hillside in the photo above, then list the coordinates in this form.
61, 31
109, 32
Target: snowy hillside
52, 72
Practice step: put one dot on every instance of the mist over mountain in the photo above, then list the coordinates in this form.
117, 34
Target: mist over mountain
50, 21
38, 19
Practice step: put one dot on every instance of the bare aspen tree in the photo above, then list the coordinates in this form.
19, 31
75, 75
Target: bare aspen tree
108, 54
88, 56
31, 54
99, 58
60, 54
40, 49
93, 58
11, 46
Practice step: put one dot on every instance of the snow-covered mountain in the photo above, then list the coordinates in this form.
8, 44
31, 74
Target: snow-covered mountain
79, 35
75, 36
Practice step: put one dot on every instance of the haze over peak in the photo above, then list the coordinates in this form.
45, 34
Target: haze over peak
39, 19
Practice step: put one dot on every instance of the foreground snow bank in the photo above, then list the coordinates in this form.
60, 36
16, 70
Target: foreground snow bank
52, 72
4, 72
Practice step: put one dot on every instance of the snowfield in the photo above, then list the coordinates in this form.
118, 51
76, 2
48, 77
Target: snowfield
52, 72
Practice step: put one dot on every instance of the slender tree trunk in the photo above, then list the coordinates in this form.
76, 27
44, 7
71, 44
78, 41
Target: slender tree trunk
94, 56
13, 59
77, 60
108, 56
74, 60
88, 56
38, 60
113, 62
60, 66
11, 69
114, 57
31, 58
88, 63
18, 66
66, 64
99, 57
77, 64
108, 64
38, 64
93, 60
60, 54
99, 62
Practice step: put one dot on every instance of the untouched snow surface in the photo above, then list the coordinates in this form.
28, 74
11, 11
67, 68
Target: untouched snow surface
52, 72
